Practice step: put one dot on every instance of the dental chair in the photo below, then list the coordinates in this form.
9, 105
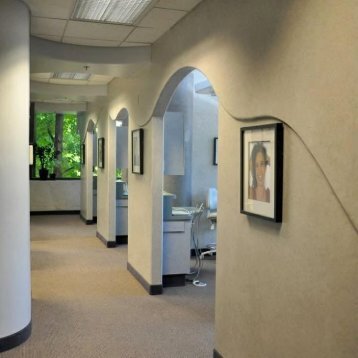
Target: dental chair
211, 204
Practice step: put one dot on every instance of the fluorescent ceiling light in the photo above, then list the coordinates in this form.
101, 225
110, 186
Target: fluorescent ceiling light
71, 76
114, 11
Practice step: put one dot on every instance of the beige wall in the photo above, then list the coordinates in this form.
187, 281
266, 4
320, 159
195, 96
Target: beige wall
282, 290
55, 195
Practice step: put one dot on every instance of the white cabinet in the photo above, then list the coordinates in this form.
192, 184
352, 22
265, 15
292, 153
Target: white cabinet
176, 247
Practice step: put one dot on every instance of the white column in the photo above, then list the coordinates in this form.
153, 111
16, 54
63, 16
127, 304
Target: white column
15, 286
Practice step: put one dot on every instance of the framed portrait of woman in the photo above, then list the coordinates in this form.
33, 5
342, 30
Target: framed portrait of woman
262, 171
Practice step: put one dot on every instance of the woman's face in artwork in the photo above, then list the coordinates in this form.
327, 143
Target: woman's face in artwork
260, 169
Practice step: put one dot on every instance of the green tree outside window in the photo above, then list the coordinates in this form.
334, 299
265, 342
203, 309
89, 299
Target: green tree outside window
59, 131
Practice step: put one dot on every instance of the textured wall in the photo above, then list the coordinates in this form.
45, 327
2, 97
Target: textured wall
282, 290
55, 195
15, 285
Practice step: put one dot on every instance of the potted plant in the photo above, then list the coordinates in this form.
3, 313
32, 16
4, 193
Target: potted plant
45, 155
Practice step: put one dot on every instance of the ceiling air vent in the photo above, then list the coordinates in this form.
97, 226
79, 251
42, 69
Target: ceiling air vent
113, 11
71, 76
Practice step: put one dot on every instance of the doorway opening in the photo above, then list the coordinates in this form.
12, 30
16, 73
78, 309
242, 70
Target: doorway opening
190, 132
122, 177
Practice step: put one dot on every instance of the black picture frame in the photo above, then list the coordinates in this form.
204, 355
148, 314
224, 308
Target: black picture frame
137, 151
83, 153
262, 171
100, 153
215, 151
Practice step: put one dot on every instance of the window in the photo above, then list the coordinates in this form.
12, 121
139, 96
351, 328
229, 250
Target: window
57, 145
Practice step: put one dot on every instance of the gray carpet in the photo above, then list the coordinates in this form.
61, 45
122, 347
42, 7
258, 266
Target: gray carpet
86, 303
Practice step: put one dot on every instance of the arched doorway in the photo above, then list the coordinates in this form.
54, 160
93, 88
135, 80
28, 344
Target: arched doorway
121, 177
190, 181
190, 178
150, 261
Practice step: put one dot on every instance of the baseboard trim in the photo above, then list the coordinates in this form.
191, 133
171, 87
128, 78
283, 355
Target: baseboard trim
122, 239
216, 354
151, 289
15, 339
87, 222
174, 280
108, 244
55, 212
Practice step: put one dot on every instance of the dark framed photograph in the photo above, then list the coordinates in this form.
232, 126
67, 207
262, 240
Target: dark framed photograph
83, 153
137, 151
100, 153
215, 156
262, 171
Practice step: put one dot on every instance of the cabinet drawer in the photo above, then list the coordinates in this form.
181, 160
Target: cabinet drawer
173, 226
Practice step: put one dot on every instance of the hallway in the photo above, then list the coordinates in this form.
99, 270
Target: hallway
86, 304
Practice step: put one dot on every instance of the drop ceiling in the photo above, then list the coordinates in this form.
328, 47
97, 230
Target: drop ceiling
51, 20
54, 31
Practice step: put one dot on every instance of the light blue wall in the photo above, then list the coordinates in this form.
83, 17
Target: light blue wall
200, 120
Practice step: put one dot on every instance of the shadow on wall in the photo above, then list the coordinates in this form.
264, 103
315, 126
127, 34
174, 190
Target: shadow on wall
258, 24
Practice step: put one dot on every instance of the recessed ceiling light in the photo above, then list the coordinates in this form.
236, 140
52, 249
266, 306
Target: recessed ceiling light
71, 76
114, 11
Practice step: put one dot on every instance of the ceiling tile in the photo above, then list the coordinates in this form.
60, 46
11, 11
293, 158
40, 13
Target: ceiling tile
96, 31
162, 18
52, 9
99, 80
90, 42
41, 76
44, 26
42, 80
134, 44
143, 34
185, 5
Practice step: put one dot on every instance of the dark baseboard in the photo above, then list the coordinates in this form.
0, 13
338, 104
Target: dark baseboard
108, 244
151, 289
173, 280
87, 222
95, 220
56, 212
122, 239
216, 354
15, 339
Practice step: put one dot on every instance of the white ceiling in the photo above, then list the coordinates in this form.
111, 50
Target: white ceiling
51, 20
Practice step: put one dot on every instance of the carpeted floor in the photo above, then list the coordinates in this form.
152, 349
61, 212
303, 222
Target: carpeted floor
86, 303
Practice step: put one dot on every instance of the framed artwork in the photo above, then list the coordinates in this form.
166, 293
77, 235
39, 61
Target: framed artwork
262, 171
100, 153
137, 151
83, 153
215, 157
